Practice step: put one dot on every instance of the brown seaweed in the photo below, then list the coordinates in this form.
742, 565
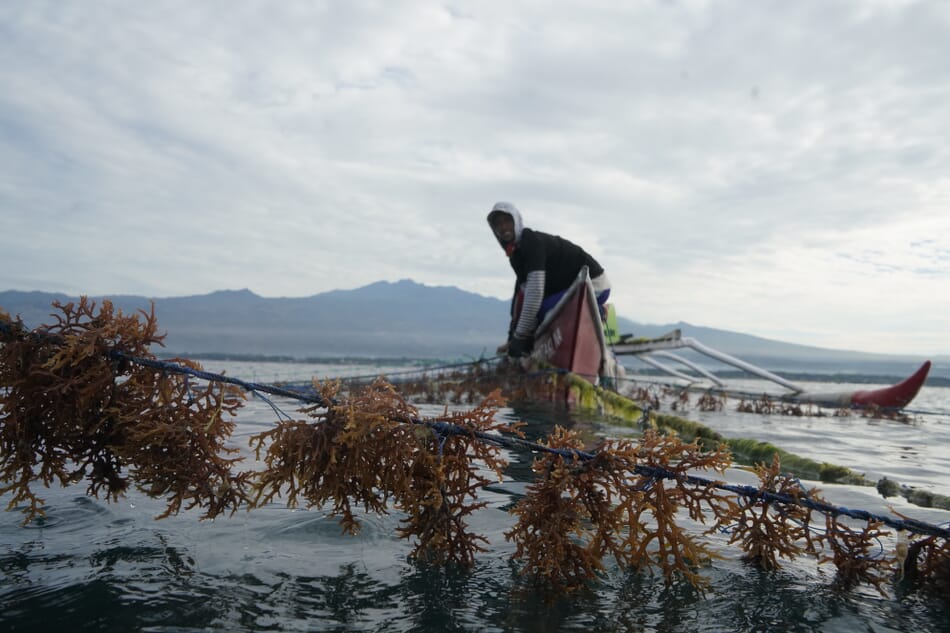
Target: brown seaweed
74, 409
82, 400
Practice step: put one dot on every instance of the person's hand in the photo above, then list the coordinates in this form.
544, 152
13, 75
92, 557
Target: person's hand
519, 346
503, 348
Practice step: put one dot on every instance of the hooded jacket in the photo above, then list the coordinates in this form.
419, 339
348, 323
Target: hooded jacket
544, 264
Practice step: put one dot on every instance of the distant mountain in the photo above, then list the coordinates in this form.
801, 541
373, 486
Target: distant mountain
407, 319
382, 319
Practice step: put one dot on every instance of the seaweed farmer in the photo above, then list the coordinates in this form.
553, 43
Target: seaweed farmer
545, 266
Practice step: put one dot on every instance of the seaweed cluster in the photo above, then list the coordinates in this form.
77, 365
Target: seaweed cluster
372, 450
472, 383
79, 402
74, 408
770, 406
577, 512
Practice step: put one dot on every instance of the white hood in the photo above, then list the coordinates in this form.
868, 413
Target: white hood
512, 210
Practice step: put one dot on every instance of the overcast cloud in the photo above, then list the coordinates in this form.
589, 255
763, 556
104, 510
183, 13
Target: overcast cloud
777, 168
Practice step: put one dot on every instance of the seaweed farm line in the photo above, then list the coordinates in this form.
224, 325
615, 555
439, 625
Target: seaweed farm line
93, 565
912, 451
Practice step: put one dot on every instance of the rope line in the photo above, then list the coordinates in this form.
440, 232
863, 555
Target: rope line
254, 387
446, 428
478, 361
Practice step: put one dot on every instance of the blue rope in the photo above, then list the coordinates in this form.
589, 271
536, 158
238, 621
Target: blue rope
254, 387
277, 410
446, 428
188, 392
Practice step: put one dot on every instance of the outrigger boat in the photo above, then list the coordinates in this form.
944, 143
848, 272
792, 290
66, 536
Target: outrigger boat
573, 337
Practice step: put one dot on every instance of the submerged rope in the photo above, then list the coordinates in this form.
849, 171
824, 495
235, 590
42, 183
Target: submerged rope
410, 372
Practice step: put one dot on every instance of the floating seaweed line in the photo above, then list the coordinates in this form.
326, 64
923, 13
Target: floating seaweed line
640, 408
84, 399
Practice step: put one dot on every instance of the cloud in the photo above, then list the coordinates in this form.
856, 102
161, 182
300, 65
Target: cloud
715, 156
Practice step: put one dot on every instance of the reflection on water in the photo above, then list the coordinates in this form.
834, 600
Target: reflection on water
139, 588
90, 565
907, 452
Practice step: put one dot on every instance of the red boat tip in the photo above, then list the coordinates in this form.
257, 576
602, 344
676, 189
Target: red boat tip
896, 396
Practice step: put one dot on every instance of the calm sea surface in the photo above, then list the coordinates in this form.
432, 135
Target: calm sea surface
92, 565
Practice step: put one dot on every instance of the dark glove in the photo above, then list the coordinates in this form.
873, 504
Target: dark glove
520, 346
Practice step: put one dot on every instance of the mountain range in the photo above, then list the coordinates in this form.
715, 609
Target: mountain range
405, 319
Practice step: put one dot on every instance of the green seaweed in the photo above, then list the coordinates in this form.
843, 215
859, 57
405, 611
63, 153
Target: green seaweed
586, 396
751, 452
745, 451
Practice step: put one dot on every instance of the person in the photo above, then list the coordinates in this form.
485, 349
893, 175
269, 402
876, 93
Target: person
545, 266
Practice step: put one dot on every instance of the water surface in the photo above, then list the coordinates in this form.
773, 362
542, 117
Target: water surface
92, 565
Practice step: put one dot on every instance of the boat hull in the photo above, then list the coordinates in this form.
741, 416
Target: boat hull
571, 336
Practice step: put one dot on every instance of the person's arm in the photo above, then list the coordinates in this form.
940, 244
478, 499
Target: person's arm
533, 295
521, 342
512, 320
513, 312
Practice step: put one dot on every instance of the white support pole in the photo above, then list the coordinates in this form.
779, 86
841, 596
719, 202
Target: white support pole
673, 372
741, 364
697, 368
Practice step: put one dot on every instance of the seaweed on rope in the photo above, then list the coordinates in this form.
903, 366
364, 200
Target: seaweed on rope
75, 410
366, 450
576, 512
83, 399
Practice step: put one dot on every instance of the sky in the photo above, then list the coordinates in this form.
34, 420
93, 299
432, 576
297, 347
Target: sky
775, 168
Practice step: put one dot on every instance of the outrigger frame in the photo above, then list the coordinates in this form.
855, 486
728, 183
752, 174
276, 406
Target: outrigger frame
894, 396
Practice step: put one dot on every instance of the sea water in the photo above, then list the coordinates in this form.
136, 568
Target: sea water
98, 566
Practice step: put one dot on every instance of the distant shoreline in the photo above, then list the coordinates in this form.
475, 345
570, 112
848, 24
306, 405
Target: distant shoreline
384, 361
